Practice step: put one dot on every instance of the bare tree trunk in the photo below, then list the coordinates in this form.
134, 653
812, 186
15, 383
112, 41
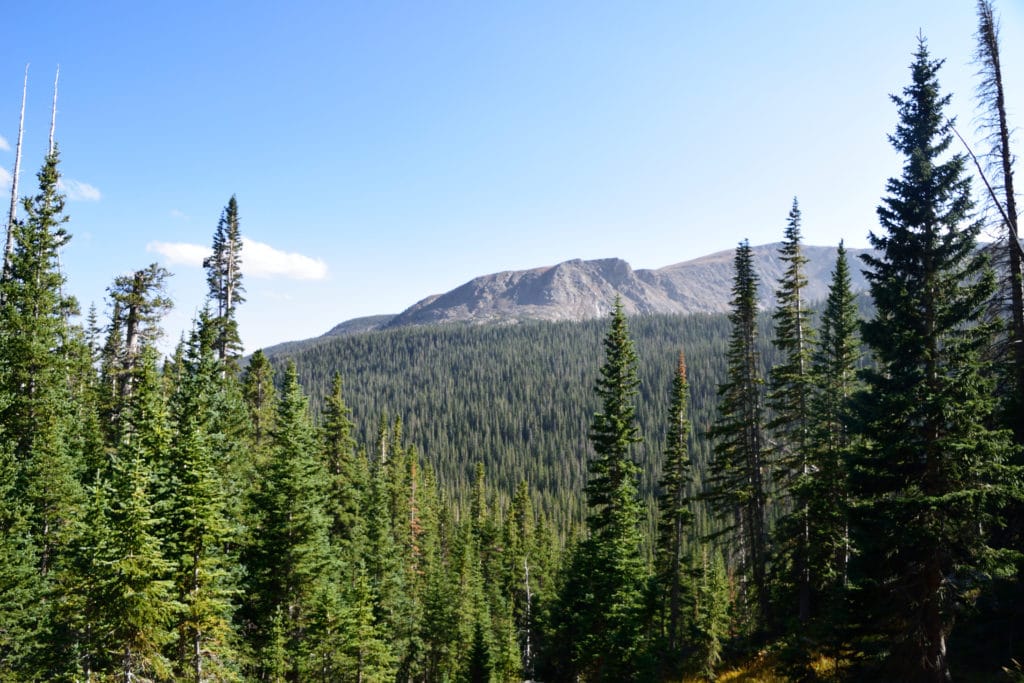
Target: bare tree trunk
53, 114
992, 96
9, 248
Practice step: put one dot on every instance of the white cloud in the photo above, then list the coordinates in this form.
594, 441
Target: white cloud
4, 145
259, 260
76, 190
179, 214
180, 253
263, 260
5, 177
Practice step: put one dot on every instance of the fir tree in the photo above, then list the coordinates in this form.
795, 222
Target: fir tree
260, 397
789, 400
224, 278
675, 516
343, 467
710, 611
200, 528
603, 598
930, 465
834, 369
139, 302
33, 337
289, 557
737, 485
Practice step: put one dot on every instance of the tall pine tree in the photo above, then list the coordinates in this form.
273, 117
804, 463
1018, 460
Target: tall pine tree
602, 601
737, 485
930, 463
789, 398
224, 278
675, 516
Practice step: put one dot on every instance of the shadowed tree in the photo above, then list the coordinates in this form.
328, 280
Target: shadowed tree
929, 466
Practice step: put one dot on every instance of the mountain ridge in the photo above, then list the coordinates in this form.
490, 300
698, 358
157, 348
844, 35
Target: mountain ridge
580, 289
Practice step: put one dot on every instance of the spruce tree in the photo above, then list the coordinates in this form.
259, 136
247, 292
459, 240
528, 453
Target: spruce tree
834, 369
34, 375
224, 278
289, 560
139, 302
260, 398
930, 464
603, 598
675, 516
347, 477
737, 484
710, 620
21, 587
789, 397
200, 529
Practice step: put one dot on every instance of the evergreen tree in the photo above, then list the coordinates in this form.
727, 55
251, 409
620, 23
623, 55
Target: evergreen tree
200, 528
135, 593
930, 465
33, 337
789, 400
710, 611
224, 278
21, 587
737, 483
289, 557
675, 516
602, 600
260, 397
347, 477
834, 368
139, 302
519, 564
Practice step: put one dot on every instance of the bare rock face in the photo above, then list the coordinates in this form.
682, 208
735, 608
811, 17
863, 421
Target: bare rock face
578, 290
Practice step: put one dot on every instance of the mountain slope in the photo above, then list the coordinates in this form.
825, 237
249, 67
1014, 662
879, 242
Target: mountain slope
581, 290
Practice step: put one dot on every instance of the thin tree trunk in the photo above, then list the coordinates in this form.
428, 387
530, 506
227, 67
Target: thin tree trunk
9, 248
53, 113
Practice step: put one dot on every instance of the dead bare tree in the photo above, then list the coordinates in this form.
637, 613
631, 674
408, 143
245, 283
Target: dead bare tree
998, 179
12, 216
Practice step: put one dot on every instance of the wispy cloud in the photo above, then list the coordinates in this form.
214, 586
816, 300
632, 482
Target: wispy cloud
4, 145
180, 253
77, 191
259, 260
179, 214
5, 177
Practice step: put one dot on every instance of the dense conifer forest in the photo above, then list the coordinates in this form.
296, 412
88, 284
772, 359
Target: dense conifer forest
823, 491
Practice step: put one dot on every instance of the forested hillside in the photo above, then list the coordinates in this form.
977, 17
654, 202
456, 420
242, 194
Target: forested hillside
518, 398
833, 489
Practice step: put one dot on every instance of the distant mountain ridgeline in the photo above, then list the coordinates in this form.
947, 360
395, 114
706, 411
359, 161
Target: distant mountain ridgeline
519, 397
582, 290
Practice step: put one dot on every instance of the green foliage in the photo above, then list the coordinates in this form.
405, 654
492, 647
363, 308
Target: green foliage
675, 518
224, 279
288, 555
602, 599
930, 466
710, 620
737, 488
200, 527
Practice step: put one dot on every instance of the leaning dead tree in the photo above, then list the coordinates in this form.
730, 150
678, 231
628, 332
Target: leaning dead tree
9, 247
999, 179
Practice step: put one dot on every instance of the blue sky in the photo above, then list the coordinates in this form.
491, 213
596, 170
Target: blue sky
384, 151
